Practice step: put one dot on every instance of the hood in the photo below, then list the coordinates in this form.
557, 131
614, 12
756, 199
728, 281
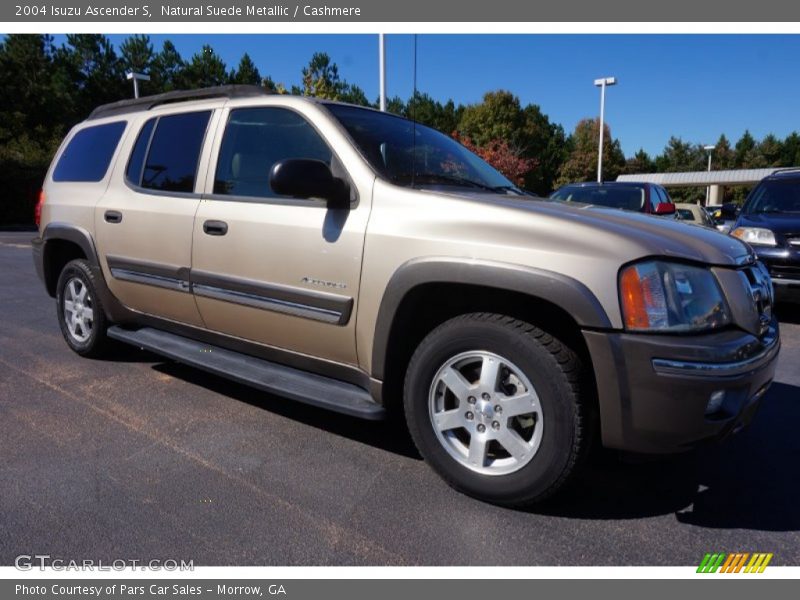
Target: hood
782, 223
654, 235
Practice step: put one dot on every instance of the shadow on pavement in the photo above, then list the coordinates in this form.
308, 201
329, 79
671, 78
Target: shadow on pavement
747, 482
390, 435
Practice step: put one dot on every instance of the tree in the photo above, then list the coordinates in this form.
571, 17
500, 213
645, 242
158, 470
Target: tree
424, 109
581, 163
723, 157
770, 151
502, 157
246, 73
528, 132
167, 73
205, 69
321, 78
746, 155
95, 69
137, 56
790, 156
639, 163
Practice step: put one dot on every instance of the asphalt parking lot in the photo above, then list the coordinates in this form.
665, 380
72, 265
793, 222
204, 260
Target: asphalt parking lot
141, 458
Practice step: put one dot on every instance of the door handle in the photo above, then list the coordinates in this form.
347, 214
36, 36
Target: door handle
215, 227
113, 216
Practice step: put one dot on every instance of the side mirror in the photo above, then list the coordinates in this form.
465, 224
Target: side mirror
307, 178
665, 208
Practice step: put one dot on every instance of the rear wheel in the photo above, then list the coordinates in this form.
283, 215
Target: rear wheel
494, 405
80, 312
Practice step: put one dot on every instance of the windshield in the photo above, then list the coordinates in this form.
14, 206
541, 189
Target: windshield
415, 155
775, 196
624, 197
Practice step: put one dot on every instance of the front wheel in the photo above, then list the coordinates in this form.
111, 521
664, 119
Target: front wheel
494, 405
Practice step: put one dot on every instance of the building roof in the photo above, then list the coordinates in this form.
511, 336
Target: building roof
703, 178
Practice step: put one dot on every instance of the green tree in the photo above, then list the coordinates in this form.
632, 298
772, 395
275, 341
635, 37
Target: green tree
321, 78
581, 163
639, 163
95, 69
745, 152
168, 68
246, 73
723, 157
770, 150
528, 132
137, 56
791, 150
205, 69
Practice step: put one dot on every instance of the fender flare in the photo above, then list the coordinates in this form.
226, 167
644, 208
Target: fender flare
568, 293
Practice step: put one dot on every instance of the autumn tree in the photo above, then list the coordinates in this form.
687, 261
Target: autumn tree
502, 157
581, 162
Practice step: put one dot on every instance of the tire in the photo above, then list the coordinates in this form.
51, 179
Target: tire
80, 311
539, 386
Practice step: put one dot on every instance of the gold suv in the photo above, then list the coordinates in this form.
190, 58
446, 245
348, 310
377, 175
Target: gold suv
361, 262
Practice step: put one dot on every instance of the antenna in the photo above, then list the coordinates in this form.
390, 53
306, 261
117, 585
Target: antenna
414, 118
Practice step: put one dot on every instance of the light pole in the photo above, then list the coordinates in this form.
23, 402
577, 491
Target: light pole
137, 77
710, 149
382, 69
602, 84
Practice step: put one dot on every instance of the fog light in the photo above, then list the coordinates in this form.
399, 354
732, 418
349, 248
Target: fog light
715, 402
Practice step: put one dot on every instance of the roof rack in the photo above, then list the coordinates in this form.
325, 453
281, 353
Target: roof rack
786, 170
148, 102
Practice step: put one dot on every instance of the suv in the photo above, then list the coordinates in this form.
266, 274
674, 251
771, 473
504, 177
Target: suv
642, 197
770, 222
361, 262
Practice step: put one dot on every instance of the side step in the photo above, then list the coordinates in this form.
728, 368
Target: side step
295, 384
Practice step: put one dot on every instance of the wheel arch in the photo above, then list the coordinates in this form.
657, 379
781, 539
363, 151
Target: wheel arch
423, 293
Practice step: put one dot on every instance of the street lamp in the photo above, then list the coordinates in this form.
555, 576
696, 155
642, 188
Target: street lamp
602, 84
709, 148
382, 69
137, 77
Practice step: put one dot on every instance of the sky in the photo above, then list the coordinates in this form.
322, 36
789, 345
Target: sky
692, 86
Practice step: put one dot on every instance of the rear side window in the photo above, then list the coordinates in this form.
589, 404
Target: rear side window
172, 152
89, 152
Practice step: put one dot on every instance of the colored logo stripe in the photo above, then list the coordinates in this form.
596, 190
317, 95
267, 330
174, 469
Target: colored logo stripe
734, 563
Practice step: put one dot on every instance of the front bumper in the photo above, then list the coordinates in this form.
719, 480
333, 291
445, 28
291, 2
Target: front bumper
654, 389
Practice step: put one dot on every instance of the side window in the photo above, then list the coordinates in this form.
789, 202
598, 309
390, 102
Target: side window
136, 163
656, 197
173, 153
89, 152
255, 139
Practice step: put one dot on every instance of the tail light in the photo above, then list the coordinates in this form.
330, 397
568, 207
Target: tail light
37, 211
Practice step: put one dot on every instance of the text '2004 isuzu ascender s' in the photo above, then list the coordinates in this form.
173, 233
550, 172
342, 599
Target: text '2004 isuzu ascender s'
358, 261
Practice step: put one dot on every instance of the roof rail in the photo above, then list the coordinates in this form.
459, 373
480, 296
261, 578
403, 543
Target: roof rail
148, 102
785, 170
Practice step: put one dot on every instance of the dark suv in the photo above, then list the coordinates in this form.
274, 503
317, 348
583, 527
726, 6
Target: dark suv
770, 223
627, 195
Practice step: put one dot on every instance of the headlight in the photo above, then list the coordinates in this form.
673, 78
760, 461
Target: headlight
669, 297
755, 235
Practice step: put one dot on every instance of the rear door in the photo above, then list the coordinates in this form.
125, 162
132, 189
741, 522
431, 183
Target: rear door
279, 271
144, 222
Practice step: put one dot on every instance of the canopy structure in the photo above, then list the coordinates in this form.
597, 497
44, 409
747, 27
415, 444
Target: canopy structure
714, 179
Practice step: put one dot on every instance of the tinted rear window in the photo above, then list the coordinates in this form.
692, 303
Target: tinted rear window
174, 151
89, 152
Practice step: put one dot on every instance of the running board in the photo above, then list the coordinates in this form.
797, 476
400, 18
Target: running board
280, 380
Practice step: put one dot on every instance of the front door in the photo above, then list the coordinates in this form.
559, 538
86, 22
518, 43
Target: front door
275, 270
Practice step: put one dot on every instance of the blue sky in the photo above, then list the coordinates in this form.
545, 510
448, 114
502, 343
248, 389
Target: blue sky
691, 86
